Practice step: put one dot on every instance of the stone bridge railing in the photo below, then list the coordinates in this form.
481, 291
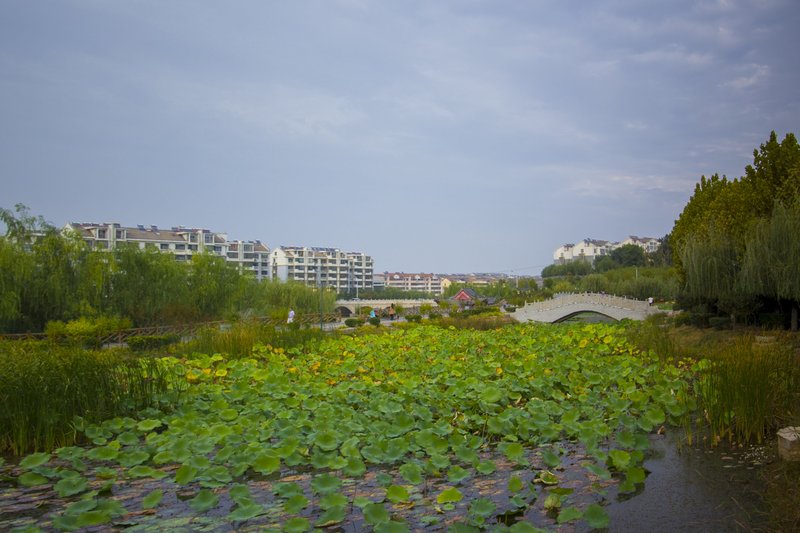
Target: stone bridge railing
564, 305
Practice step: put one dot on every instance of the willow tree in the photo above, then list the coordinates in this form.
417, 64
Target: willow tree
712, 270
772, 259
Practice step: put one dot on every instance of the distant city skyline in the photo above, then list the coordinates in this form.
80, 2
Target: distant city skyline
435, 136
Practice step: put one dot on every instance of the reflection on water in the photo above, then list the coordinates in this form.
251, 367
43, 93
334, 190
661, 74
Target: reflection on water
696, 489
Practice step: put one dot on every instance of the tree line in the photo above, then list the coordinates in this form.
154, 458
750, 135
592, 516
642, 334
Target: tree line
736, 243
46, 276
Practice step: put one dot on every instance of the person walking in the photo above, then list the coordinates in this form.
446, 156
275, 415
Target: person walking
391, 312
291, 316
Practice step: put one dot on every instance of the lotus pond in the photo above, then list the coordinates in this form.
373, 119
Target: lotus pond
523, 428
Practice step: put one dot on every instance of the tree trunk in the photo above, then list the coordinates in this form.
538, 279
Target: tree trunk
794, 316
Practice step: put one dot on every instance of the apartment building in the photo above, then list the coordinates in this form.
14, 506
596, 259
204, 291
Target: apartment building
325, 267
180, 241
431, 283
592, 249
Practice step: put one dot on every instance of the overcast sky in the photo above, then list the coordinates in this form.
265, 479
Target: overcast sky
437, 136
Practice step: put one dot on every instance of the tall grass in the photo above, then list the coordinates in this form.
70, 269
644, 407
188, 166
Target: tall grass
43, 388
744, 389
239, 339
748, 389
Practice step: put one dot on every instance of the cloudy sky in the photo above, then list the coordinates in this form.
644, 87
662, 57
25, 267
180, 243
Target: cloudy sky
437, 136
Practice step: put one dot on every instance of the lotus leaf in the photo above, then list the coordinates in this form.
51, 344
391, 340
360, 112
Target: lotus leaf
297, 525
449, 495
152, 499
595, 516
35, 459
70, 486
397, 494
32, 479
325, 484
203, 501
375, 513
295, 504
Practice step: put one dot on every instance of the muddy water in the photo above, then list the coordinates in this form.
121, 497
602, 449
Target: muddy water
692, 488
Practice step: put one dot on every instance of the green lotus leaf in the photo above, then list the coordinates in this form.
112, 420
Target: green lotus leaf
70, 486
355, 467
515, 484
513, 451
103, 453
456, 474
287, 490
297, 525
132, 458
376, 513
552, 502
266, 464
32, 479
92, 518
334, 499
568, 514
547, 477
325, 484
397, 494
240, 493
295, 504
148, 425
332, 515
35, 459
491, 394
229, 415
595, 516
486, 467
203, 501
635, 474
152, 499
412, 473
620, 459
551, 458
185, 474
449, 495
392, 527
327, 440
246, 512
483, 507
128, 438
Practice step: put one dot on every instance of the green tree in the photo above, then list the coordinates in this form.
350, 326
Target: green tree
772, 260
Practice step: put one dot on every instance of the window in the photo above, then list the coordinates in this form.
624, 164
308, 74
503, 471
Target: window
209, 238
164, 246
192, 238
193, 247
101, 233
120, 234
180, 246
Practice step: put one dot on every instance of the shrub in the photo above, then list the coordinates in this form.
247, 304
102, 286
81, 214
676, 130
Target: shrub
719, 322
353, 322
140, 343
85, 331
433, 315
375, 321
414, 318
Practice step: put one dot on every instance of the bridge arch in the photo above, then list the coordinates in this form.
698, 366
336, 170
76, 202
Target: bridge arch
343, 311
563, 306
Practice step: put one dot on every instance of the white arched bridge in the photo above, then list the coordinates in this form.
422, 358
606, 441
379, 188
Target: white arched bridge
349, 307
563, 306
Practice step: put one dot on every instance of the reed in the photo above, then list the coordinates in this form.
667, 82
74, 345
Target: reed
44, 388
238, 340
747, 389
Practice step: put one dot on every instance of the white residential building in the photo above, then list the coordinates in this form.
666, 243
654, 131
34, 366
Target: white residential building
591, 249
180, 241
414, 282
326, 267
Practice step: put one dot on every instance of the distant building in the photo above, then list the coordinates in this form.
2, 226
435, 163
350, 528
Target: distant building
180, 241
413, 282
326, 267
590, 250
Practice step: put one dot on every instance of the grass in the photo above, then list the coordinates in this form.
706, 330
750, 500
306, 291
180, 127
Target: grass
238, 340
745, 389
45, 387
